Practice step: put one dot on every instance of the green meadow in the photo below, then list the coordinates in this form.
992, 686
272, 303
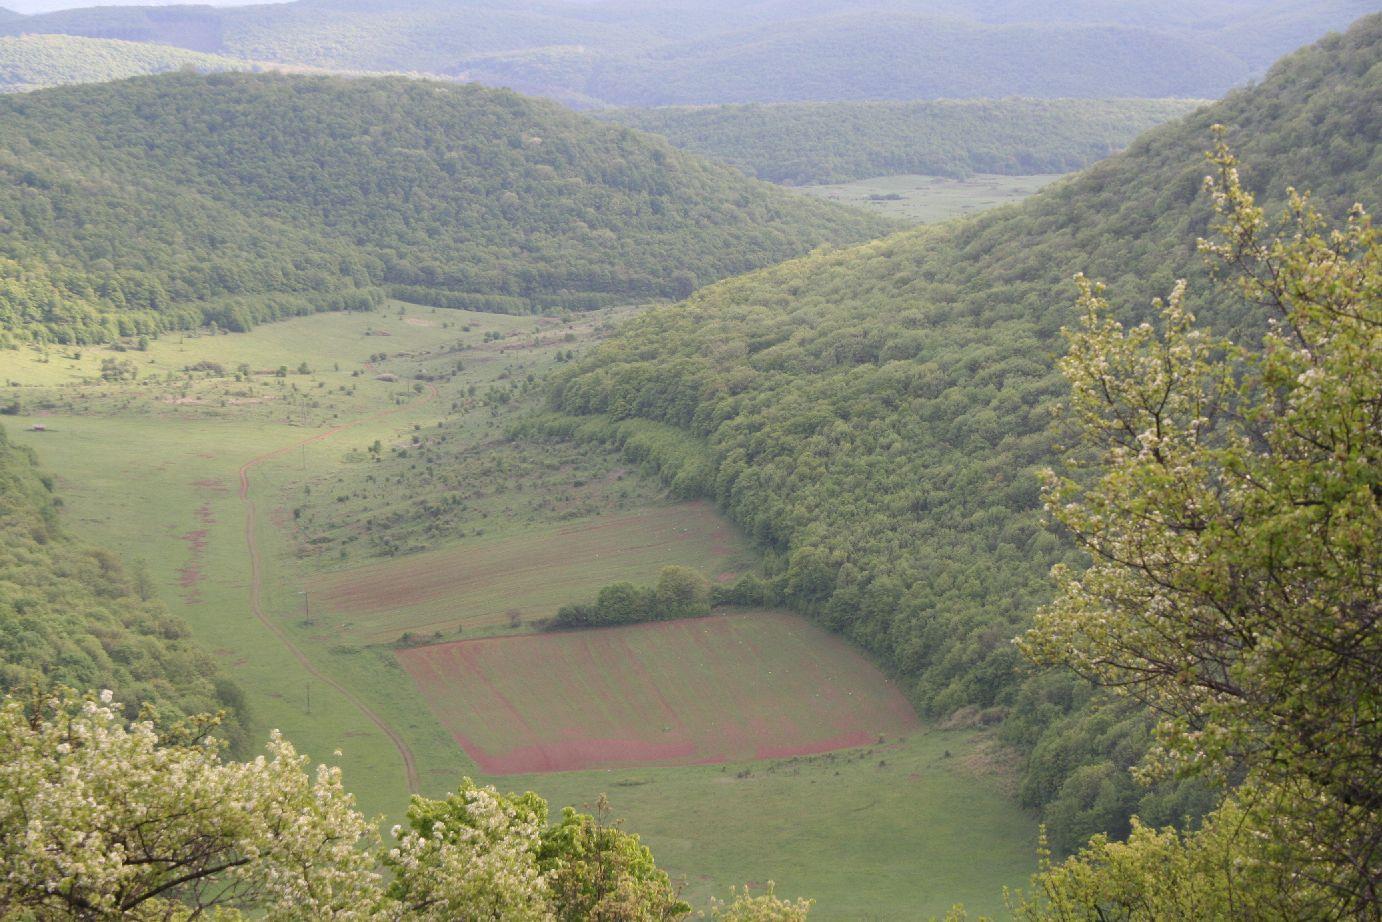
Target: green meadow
930, 199
375, 448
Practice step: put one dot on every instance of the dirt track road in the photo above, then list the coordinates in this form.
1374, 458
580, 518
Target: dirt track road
257, 584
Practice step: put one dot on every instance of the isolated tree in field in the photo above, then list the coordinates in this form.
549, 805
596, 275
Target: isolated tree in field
682, 593
115, 370
1228, 493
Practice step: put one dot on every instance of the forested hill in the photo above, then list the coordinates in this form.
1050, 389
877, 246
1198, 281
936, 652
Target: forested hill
661, 52
163, 201
74, 615
819, 142
32, 62
877, 416
905, 55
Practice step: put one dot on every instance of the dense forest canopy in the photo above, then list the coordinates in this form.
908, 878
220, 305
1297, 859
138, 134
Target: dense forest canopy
878, 416
816, 142
76, 615
689, 51
308, 192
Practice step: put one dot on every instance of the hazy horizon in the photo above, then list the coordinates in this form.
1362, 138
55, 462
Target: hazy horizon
33, 7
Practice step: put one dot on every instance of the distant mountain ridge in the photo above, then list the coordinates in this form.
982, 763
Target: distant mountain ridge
32, 62
643, 53
908, 56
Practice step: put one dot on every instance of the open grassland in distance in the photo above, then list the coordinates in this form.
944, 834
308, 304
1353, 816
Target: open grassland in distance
930, 199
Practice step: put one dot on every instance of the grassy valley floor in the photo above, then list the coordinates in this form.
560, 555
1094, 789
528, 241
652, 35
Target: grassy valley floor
361, 462
930, 199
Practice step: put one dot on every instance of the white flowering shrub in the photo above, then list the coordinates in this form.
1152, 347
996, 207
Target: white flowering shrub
100, 817
104, 818
479, 867
766, 907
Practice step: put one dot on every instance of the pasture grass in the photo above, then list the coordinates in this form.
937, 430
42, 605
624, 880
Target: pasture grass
921, 199
498, 583
149, 468
898, 831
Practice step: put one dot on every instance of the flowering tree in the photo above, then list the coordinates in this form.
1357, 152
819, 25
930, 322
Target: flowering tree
471, 856
766, 907
496, 856
1232, 514
102, 818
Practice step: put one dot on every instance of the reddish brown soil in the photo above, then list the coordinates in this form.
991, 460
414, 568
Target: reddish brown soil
710, 690
190, 575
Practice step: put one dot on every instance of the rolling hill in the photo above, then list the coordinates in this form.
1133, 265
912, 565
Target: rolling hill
633, 52
876, 416
32, 62
811, 143
256, 196
860, 56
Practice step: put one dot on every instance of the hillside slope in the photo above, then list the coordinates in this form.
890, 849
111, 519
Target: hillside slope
33, 62
327, 191
72, 614
635, 52
877, 416
808, 143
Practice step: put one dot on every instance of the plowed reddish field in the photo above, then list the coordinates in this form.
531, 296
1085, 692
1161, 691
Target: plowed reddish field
756, 685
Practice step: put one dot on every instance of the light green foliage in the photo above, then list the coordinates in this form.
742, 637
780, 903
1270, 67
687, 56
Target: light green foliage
1233, 514
472, 856
104, 818
1214, 873
878, 417
480, 854
834, 142
767, 907
100, 818
601, 873
455, 195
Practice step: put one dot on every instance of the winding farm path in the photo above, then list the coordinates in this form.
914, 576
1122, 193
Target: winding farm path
257, 584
